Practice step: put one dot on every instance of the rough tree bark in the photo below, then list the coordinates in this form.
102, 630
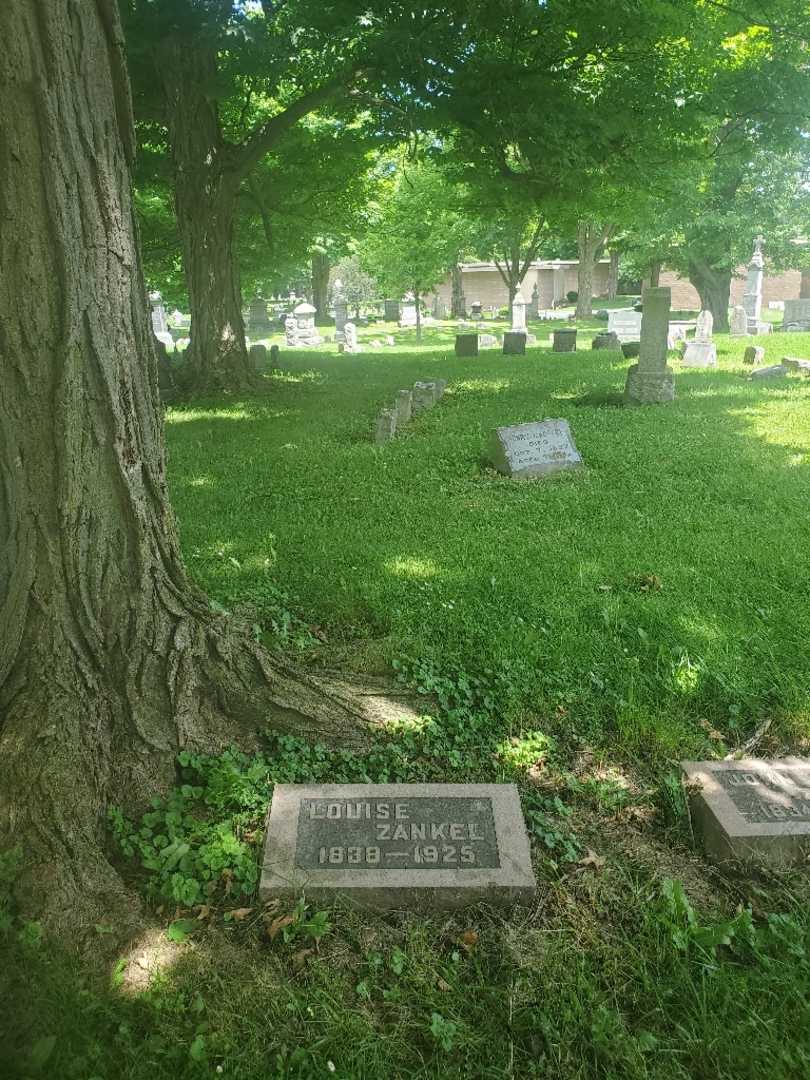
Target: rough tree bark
110, 661
714, 289
320, 284
458, 301
655, 272
613, 276
207, 179
591, 240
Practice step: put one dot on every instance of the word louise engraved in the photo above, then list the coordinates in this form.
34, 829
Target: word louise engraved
397, 834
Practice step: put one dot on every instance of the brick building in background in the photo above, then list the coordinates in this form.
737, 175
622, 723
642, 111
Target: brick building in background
788, 285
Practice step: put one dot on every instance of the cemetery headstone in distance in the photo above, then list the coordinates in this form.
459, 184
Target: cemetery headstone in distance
398, 845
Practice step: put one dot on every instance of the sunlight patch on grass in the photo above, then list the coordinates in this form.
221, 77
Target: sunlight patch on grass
185, 416
410, 566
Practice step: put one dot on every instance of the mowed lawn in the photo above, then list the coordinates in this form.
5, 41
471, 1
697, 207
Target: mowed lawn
577, 636
663, 590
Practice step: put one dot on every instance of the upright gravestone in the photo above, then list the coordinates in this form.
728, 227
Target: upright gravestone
341, 312
424, 397
307, 333
386, 426
606, 340
398, 845
741, 809
404, 407
536, 449
754, 354
514, 343
391, 308
701, 352
160, 324
519, 314
258, 354
651, 380
534, 303
797, 314
350, 338
466, 344
475, 309
275, 362
625, 324
752, 300
258, 320
738, 323
291, 331
564, 340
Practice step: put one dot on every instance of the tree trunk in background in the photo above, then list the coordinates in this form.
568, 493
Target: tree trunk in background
613, 276
804, 289
417, 296
655, 273
320, 285
458, 304
207, 184
714, 289
591, 240
110, 661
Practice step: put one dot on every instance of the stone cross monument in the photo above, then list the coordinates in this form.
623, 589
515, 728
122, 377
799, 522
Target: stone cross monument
651, 380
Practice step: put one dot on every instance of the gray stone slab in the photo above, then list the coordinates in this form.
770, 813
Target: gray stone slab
424, 397
466, 344
795, 363
564, 340
398, 845
404, 406
750, 808
754, 354
385, 427
774, 371
514, 343
536, 449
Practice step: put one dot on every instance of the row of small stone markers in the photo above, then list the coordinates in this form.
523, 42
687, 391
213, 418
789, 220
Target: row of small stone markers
420, 399
444, 846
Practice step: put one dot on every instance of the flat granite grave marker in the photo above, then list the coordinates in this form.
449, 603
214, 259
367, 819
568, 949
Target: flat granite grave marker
466, 344
750, 808
536, 449
398, 845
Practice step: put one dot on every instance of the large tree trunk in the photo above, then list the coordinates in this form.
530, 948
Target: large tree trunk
804, 288
655, 273
613, 276
417, 296
714, 289
207, 185
320, 285
110, 661
458, 302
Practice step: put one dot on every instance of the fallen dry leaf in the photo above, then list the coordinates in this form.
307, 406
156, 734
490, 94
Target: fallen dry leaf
594, 860
204, 911
278, 925
712, 732
469, 939
238, 914
442, 985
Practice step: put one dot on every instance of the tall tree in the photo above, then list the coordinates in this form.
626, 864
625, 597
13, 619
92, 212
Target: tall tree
416, 234
110, 661
228, 82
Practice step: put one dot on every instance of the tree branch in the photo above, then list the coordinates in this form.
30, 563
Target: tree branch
266, 135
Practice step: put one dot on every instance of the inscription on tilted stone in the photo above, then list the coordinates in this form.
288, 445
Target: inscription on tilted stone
534, 449
768, 795
411, 833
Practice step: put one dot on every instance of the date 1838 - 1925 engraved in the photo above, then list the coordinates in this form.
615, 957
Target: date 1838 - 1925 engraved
419, 833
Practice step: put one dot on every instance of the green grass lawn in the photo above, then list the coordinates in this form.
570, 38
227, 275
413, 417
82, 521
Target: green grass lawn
577, 635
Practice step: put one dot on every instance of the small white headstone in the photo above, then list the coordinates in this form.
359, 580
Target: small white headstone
625, 324
535, 449
738, 323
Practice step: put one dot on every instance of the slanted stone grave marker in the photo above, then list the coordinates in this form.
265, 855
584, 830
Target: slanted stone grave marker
750, 808
398, 845
536, 449
754, 354
386, 426
424, 397
404, 406
258, 354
